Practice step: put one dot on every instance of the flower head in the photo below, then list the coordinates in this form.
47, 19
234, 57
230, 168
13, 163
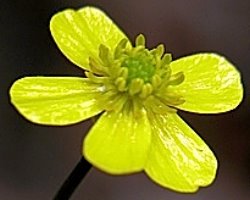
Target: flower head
138, 91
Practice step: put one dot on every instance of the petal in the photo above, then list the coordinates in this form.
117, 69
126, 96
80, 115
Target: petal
78, 34
211, 85
179, 159
55, 100
118, 143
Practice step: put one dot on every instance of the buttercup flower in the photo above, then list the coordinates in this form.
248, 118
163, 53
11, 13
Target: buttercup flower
138, 92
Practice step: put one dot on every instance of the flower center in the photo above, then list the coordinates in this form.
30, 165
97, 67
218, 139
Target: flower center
135, 77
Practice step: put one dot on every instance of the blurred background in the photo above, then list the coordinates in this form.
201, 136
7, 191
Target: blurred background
34, 160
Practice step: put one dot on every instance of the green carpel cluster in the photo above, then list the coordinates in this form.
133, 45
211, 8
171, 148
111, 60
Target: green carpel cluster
138, 67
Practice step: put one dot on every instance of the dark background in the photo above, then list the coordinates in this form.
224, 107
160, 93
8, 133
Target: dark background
34, 160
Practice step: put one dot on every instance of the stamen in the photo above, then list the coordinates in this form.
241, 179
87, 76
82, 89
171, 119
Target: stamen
157, 106
114, 70
166, 60
158, 51
140, 40
123, 72
135, 86
176, 79
96, 79
137, 108
171, 100
120, 82
105, 98
156, 81
97, 68
147, 89
104, 54
120, 48
116, 104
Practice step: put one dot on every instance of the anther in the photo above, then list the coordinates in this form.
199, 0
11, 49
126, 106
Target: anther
158, 106
147, 89
166, 60
123, 72
140, 40
120, 48
158, 51
104, 54
96, 68
94, 78
156, 81
120, 82
176, 79
172, 100
116, 104
135, 86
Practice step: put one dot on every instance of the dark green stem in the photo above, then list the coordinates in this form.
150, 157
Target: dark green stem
73, 180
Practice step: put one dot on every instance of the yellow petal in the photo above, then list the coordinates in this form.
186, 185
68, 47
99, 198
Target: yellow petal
211, 85
55, 100
118, 143
179, 159
79, 34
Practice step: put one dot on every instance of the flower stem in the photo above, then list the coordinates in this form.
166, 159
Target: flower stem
73, 180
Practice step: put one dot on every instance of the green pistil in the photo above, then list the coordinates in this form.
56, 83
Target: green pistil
139, 68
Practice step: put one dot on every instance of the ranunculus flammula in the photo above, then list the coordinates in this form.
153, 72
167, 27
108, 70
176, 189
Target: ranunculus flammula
137, 91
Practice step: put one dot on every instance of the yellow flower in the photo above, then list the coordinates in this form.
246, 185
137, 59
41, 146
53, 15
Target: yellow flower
138, 92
